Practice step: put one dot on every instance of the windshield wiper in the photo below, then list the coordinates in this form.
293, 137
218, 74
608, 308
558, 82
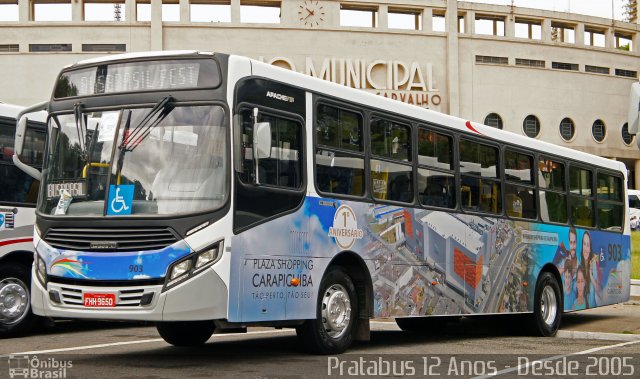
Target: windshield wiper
81, 129
142, 130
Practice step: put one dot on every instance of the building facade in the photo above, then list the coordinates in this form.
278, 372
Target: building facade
559, 77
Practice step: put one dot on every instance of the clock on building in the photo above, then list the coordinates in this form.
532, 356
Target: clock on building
311, 13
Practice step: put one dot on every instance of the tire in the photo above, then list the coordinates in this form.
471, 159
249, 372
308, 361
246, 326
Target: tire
16, 317
332, 333
423, 325
186, 333
547, 306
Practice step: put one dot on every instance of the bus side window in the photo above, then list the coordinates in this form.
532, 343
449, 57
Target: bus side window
339, 154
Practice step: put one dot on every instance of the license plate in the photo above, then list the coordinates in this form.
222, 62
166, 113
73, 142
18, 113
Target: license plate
99, 300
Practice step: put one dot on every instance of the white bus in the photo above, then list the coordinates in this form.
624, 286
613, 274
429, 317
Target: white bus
18, 194
210, 191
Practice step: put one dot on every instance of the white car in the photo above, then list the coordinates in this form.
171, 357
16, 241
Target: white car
634, 209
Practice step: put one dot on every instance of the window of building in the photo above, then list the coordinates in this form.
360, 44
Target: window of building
104, 47
594, 37
564, 66
610, 202
9, 12
46, 11
627, 138
531, 126
530, 29
519, 189
436, 179
494, 120
461, 28
563, 32
170, 11
597, 69
489, 25
479, 180
553, 198
492, 60
99, 11
260, 12
530, 63
581, 196
210, 11
401, 18
599, 130
143, 10
9, 48
438, 21
623, 41
358, 16
49, 47
567, 129
626, 73
339, 151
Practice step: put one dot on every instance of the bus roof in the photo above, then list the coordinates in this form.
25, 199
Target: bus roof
11, 110
362, 97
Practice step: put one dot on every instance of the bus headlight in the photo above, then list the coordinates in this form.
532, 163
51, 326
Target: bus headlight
192, 265
41, 270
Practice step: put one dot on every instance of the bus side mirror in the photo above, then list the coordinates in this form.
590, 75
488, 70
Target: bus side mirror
262, 140
21, 131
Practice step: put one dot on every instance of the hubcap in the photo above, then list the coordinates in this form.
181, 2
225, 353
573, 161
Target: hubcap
548, 305
336, 311
14, 300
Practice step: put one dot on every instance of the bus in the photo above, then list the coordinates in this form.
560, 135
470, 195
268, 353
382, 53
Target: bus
210, 192
18, 195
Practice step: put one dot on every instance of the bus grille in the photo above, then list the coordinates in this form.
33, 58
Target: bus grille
110, 239
125, 298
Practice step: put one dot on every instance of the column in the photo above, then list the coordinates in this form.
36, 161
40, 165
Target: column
579, 35
453, 79
77, 10
235, 11
609, 39
510, 26
470, 23
383, 17
636, 172
130, 11
427, 20
185, 11
156, 25
546, 30
24, 11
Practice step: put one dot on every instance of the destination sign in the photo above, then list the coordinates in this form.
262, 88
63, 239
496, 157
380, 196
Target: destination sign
156, 75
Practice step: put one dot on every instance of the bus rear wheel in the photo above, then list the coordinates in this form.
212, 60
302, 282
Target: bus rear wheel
331, 332
16, 317
547, 306
186, 333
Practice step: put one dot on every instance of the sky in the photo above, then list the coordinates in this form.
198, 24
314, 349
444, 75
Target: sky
104, 12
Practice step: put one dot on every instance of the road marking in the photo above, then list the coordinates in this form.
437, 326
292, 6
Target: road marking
99, 346
555, 357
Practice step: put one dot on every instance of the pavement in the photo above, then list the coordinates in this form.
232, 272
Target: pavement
614, 322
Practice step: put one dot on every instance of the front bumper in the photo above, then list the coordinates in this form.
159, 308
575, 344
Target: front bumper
203, 297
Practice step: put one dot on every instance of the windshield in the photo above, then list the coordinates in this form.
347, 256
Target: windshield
146, 161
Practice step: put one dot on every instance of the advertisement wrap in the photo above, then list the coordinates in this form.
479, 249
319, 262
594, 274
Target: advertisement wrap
422, 262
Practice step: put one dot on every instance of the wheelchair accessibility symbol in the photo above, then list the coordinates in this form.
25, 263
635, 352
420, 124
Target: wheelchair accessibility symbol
120, 200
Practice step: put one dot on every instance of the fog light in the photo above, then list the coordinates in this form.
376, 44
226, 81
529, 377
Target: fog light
146, 298
54, 296
207, 257
180, 269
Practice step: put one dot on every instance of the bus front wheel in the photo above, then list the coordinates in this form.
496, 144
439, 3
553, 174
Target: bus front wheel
547, 306
186, 333
331, 332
